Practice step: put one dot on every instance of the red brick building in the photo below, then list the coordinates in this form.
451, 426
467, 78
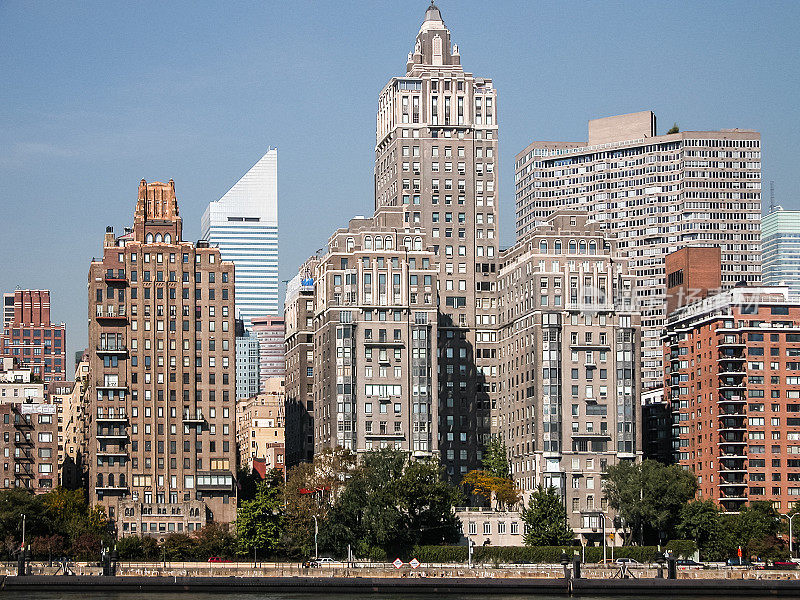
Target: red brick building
31, 339
732, 380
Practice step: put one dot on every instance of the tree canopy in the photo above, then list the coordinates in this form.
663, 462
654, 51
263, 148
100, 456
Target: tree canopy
546, 519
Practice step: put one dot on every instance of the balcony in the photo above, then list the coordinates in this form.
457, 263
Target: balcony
110, 488
385, 436
220, 481
109, 453
117, 277
112, 418
110, 349
111, 385
196, 417
732, 399
112, 435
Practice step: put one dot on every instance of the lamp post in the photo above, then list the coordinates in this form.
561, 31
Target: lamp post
791, 539
603, 515
316, 533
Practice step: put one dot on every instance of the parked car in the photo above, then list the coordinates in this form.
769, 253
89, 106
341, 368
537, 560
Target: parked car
688, 562
738, 562
784, 564
217, 559
627, 561
320, 561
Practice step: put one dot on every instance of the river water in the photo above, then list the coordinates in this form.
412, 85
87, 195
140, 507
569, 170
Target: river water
56, 595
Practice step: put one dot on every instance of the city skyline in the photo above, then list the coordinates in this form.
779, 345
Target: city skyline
73, 144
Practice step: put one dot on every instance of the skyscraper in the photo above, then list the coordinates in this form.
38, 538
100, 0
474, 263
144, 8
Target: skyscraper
161, 414
780, 247
243, 224
30, 338
435, 158
658, 193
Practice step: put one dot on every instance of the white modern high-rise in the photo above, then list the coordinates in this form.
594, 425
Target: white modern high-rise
244, 225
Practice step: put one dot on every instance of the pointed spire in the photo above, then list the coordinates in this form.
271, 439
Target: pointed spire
433, 19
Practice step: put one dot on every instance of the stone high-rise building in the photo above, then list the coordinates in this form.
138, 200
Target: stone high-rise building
270, 331
658, 193
375, 328
569, 357
162, 440
299, 323
30, 338
435, 160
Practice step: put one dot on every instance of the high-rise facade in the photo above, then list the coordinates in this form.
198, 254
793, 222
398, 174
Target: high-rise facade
780, 247
161, 414
732, 379
30, 338
248, 380
270, 331
657, 193
569, 357
435, 161
375, 326
299, 344
243, 224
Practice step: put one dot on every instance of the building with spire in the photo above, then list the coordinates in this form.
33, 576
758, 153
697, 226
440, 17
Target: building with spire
161, 387
243, 224
435, 160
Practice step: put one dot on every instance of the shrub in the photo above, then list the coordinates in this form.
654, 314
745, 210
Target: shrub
528, 554
682, 548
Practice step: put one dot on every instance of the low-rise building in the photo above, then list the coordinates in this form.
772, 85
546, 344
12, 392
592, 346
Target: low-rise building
488, 527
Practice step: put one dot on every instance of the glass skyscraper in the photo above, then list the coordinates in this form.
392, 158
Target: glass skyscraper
780, 247
244, 225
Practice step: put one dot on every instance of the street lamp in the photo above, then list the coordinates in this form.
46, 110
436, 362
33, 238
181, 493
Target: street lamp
603, 515
791, 540
316, 533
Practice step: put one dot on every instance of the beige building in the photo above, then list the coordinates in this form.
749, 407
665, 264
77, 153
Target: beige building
569, 358
375, 326
73, 440
299, 350
436, 161
162, 449
28, 425
488, 527
260, 426
657, 193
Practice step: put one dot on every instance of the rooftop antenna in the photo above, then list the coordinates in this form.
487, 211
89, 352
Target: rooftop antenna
771, 196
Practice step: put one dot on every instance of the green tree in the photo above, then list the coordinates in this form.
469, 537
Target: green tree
390, 503
259, 523
131, 547
496, 458
215, 539
700, 521
14, 503
546, 519
648, 497
674, 129
179, 546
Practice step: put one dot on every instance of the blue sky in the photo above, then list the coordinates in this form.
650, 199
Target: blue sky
98, 95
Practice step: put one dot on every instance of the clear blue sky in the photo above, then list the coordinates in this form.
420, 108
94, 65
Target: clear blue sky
98, 95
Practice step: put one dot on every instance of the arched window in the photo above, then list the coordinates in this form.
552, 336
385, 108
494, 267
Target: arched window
417, 243
389, 243
350, 244
573, 247
110, 480
582, 247
543, 247
158, 238
558, 246
378, 243
122, 480
148, 238
167, 238
99, 480
592, 247
368, 242
407, 243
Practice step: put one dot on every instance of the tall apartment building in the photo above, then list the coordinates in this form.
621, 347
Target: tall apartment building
375, 326
435, 160
299, 344
73, 438
569, 360
162, 445
260, 422
243, 224
29, 431
780, 247
248, 365
270, 331
733, 383
30, 338
657, 193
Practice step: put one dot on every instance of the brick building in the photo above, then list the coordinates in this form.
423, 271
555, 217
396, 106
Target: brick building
162, 445
733, 384
31, 339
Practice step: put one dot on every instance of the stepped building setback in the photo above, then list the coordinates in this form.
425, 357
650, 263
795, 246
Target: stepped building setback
161, 419
657, 193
